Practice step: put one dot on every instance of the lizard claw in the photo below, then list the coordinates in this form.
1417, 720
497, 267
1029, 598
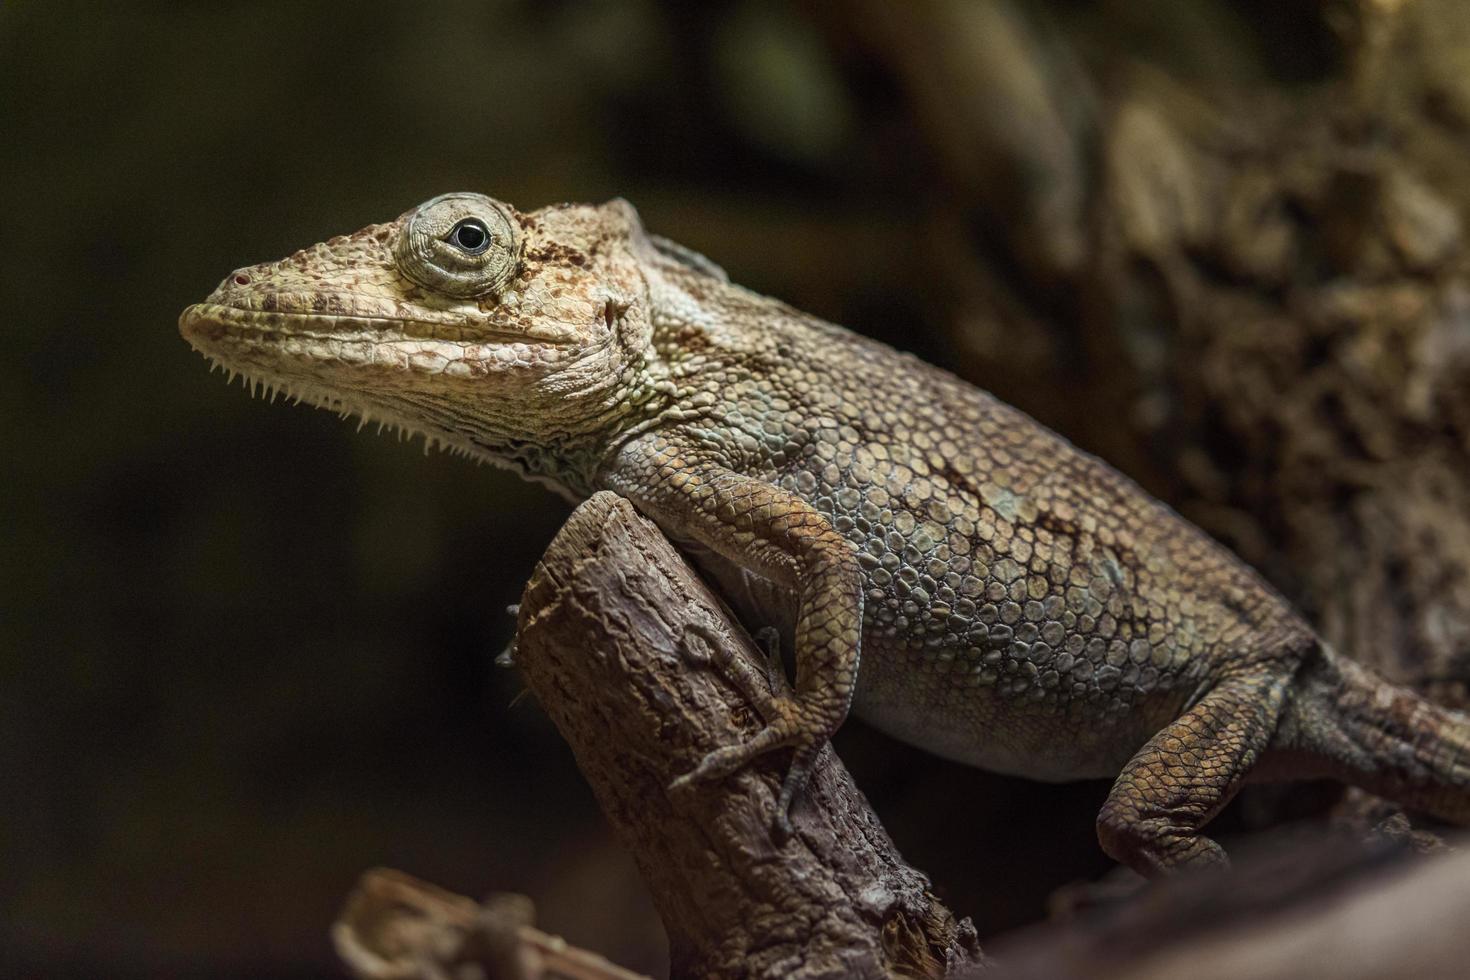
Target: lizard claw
789, 722
793, 786
729, 759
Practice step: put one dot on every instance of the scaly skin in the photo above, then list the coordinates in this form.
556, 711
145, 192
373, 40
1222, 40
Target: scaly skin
1018, 604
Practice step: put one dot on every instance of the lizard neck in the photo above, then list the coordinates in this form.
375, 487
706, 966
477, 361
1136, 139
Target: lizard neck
557, 432
574, 438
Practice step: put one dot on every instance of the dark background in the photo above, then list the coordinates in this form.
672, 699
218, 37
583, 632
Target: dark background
247, 653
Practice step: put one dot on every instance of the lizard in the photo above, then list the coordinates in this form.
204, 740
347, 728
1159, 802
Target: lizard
942, 565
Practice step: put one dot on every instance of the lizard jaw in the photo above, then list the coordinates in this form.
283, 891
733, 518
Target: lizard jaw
323, 367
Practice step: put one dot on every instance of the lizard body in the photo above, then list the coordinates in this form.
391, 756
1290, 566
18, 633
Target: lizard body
940, 563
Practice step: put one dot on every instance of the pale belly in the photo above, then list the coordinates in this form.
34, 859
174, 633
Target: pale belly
989, 733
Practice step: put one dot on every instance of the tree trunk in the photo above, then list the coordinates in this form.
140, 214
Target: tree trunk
613, 644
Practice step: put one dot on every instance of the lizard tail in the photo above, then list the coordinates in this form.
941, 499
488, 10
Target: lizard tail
1343, 721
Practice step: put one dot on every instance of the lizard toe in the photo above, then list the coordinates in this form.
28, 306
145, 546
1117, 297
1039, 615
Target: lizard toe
729, 759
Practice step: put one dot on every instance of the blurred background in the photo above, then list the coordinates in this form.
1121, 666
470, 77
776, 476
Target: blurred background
247, 653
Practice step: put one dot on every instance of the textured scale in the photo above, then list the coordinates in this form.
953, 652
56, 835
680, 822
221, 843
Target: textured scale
938, 562
1009, 580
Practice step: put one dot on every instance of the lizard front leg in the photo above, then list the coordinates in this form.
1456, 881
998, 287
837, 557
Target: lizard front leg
765, 529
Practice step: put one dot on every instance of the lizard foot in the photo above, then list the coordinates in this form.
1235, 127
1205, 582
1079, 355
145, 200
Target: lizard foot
760, 690
788, 723
790, 729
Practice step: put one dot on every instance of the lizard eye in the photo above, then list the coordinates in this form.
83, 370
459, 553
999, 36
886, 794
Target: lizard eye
461, 245
471, 236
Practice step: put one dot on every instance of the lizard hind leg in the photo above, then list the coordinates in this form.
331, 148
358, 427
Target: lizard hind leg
1184, 776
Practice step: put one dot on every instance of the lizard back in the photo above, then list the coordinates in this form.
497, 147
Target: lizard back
1011, 579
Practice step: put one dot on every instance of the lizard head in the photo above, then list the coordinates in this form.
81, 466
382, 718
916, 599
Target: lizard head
516, 338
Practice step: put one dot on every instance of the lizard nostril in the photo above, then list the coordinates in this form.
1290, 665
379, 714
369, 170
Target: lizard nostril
242, 280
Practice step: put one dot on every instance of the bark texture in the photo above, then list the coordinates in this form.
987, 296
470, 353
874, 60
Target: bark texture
622, 644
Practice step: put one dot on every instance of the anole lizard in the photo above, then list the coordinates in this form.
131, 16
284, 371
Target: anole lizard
942, 565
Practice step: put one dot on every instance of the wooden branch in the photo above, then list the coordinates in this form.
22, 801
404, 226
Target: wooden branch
1299, 905
611, 643
396, 927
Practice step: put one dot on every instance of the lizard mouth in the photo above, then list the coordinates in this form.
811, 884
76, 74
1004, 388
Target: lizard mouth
359, 366
345, 354
213, 322
291, 352
350, 368
345, 357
